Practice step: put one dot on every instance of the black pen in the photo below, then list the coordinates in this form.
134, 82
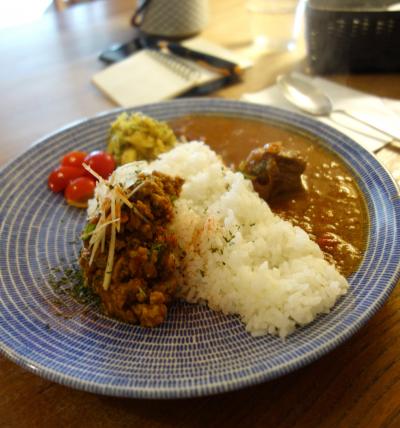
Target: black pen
219, 65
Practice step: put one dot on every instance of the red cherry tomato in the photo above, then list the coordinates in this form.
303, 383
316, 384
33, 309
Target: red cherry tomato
79, 191
74, 158
61, 176
101, 162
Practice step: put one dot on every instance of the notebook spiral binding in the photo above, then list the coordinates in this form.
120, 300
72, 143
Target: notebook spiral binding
178, 65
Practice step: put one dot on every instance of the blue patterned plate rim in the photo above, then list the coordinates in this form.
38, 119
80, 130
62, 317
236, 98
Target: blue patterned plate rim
29, 343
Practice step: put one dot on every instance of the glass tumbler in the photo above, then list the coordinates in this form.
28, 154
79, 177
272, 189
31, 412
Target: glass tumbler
275, 24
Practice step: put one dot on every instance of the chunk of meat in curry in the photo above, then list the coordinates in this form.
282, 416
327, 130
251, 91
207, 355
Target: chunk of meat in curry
274, 170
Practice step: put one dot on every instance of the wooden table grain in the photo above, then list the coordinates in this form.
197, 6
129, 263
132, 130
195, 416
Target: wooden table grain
44, 84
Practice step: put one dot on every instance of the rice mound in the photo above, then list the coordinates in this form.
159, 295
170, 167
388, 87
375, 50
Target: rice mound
240, 257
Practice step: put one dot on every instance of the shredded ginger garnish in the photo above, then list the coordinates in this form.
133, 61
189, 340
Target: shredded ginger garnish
109, 204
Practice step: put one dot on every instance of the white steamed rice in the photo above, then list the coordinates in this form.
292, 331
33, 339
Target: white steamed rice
240, 257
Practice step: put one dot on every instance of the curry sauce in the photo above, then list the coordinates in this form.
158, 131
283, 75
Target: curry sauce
330, 208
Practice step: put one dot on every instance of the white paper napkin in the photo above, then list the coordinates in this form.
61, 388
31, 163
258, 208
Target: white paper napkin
383, 113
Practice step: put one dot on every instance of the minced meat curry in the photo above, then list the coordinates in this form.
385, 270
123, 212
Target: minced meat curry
143, 278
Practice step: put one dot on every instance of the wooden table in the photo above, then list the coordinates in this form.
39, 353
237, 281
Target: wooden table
44, 84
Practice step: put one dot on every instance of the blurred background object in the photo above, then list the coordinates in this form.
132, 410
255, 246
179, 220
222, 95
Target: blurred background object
18, 12
353, 36
63, 4
275, 24
171, 19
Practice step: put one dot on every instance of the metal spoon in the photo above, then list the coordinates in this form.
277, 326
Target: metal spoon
310, 99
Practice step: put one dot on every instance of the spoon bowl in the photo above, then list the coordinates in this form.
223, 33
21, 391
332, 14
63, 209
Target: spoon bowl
304, 95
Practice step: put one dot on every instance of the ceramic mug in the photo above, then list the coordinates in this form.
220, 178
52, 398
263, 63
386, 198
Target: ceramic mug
171, 18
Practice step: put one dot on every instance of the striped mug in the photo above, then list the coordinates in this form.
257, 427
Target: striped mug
171, 18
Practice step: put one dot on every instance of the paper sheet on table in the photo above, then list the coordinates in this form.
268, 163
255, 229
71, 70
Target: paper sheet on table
381, 112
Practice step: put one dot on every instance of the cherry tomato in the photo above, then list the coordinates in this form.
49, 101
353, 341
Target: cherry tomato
101, 162
61, 176
79, 191
74, 158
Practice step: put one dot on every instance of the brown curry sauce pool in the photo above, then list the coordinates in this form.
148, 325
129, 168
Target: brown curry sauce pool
331, 210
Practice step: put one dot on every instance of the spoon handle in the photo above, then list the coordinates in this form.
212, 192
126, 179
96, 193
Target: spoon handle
382, 139
346, 113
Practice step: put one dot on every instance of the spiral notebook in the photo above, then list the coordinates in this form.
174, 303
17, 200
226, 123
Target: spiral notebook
151, 76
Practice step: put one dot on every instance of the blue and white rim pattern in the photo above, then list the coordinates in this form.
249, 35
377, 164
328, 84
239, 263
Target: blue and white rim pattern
196, 352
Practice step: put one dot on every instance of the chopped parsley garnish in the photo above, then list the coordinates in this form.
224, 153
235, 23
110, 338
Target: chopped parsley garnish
70, 281
229, 239
89, 228
158, 247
